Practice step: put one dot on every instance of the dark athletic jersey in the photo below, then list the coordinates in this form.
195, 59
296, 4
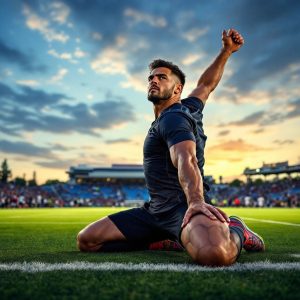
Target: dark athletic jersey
177, 123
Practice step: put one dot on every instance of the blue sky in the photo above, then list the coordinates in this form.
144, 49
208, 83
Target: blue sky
74, 77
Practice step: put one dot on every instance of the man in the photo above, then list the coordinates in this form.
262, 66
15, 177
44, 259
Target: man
173, 165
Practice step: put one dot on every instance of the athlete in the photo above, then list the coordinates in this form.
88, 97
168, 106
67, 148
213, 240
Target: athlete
179, 208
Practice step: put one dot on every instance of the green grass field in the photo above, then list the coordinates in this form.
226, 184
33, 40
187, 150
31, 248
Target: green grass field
49, 235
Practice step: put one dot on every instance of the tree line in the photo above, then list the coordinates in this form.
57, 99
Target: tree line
6, 177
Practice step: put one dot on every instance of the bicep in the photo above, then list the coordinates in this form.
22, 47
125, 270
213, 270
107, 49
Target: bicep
185, 150
201, 92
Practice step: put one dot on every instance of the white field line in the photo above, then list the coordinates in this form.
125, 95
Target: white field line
34, 267
270, 221
297, 255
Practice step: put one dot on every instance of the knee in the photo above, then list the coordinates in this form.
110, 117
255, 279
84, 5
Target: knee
214, 256
84, 243
81, 241
207, 242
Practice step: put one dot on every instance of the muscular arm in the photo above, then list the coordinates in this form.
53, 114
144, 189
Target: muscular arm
183, 156
209, 80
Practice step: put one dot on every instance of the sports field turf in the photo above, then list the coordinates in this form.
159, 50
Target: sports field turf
48, 236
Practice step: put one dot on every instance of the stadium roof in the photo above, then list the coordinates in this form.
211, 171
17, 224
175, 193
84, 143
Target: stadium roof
273, 169
115, 171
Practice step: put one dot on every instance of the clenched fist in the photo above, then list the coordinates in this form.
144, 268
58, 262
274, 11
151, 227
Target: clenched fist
232, 40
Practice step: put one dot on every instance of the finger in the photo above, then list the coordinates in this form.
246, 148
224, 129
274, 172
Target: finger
209, 214
184, 222
224, 34
186, 219
229, 32
223, 214
217, 214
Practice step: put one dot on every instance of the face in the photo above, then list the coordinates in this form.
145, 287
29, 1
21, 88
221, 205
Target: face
161, 85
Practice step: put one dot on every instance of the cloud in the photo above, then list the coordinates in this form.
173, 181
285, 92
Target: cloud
275, 115
293, 109
25, 149
224, 132
118, 141
194, 33
60, 164
138, 17
59, 75
59, 12
283, 142
79, 53
259, 130
65, 164
28, 97
260, 60
28, 82
251, 119
238, 145
35, 110
60, 147
64, 55
97, 36
15, 56
110, 61
185, 27
42, 25
191, 58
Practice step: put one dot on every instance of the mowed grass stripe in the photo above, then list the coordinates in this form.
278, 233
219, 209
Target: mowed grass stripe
67, 222
35, 267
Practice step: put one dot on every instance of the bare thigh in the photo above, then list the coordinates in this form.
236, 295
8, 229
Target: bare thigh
93, 236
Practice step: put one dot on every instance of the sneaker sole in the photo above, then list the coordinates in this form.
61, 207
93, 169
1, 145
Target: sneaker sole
240, 220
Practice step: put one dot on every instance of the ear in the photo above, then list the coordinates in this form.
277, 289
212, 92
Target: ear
178, 88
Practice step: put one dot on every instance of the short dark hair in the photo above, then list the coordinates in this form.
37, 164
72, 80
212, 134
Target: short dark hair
160, 63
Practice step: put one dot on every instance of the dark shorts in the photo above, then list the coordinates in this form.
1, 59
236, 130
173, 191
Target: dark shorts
139, 225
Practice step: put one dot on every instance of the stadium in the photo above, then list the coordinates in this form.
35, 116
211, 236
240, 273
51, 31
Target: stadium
149, 149
124, 186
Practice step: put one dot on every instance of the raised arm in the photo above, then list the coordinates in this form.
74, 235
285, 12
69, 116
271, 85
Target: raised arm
232, 42
183, 156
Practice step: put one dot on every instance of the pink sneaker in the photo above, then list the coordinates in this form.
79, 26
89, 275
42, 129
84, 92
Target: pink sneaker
253, 242
166, 245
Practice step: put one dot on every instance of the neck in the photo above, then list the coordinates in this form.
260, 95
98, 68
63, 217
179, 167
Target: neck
159, 107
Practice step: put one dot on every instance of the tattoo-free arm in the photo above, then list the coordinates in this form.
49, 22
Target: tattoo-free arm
183, 156
232, 41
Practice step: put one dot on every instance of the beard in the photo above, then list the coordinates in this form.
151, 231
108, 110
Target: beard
158, 98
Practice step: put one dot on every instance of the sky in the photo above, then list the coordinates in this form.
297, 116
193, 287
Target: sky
73, 81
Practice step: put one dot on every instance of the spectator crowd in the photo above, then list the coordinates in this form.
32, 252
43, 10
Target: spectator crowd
276, 193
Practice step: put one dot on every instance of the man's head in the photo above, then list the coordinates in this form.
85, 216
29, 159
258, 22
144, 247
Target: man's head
166, 80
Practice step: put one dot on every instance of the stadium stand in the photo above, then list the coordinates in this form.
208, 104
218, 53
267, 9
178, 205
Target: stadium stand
124, 185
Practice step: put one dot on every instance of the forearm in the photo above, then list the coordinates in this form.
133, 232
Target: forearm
213, 74
190, 179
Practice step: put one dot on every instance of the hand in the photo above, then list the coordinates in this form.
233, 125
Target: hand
210, 211
232, 40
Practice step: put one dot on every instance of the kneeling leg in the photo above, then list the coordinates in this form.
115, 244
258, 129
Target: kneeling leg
210, 242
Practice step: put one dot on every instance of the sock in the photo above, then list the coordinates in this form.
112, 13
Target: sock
239, 232
123, 246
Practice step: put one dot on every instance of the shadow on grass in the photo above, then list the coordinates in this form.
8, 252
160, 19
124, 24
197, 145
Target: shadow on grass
121, 257
136, 257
